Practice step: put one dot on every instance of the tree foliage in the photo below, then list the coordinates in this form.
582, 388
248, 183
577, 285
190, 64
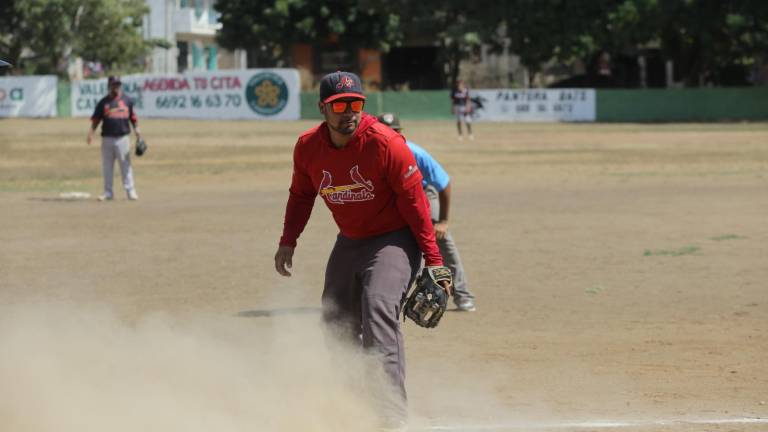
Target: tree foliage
708, 36
704, 38
701, 37
458, 28
54, 31
267, 28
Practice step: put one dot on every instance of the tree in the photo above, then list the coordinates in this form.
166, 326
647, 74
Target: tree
458, 28
267, 28
534, 30
40, 26
109, 31
54, 31
10, 44
702, 37
706, 37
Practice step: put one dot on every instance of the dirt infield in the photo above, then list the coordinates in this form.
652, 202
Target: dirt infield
620, 274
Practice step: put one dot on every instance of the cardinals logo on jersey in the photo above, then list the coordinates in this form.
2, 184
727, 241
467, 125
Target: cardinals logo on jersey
360, 190
118, 111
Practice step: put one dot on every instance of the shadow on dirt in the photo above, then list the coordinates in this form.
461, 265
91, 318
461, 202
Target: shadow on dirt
261, 313
59, 199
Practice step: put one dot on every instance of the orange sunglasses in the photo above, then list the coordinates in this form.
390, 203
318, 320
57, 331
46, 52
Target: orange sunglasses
341, 106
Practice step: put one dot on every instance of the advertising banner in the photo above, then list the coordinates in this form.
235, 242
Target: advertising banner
28, 96
534, 105
266, 94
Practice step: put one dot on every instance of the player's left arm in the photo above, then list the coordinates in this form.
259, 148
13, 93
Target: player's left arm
441, 226
436, 176
134, 120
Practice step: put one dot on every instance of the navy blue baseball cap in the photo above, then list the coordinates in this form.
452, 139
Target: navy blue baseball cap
4, 63
113, 79
340, 84
391, 120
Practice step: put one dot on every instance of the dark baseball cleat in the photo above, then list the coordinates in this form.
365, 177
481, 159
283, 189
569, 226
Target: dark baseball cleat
466, 305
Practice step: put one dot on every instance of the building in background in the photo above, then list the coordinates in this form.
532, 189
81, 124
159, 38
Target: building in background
190, 27
316, 60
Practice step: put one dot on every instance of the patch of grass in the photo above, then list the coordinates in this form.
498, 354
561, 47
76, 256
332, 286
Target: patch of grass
727, 237
685, 250
595, 289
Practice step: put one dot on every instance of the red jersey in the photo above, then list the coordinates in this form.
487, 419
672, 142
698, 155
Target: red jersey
372, 186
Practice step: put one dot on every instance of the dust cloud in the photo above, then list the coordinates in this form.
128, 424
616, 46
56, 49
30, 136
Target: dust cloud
71, 368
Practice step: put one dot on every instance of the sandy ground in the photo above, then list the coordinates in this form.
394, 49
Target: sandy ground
620, 274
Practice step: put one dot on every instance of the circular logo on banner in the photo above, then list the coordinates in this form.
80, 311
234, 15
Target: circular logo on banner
266, 93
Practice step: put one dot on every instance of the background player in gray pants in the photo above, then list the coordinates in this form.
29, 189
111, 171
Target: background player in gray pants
462, 297
437, 185
115, 112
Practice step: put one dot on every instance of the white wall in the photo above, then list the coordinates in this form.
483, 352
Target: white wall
162, 22
158, 24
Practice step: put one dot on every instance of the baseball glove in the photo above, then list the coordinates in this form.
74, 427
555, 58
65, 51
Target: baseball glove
429, 300
141, 147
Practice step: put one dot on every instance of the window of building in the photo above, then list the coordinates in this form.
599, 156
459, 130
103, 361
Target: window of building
213, 62
333, 59
213, 16
198, 60
182, 61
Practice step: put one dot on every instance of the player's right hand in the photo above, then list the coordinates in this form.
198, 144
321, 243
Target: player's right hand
283, 259
441, 229
89, 139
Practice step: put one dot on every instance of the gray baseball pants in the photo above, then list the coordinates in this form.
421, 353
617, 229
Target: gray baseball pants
365, 281
449, 251
116, 148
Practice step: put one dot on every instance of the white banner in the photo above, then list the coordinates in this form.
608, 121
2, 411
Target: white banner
533, 105
28, 96
224, 94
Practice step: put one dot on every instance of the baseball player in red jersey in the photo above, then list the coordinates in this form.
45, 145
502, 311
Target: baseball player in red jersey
368, 178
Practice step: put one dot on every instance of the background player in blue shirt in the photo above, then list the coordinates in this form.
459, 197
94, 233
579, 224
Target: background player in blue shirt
437, 185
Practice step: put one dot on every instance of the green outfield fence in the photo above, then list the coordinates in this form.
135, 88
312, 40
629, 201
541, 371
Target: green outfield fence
649, 105
412, 105
682, 105
63, 99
